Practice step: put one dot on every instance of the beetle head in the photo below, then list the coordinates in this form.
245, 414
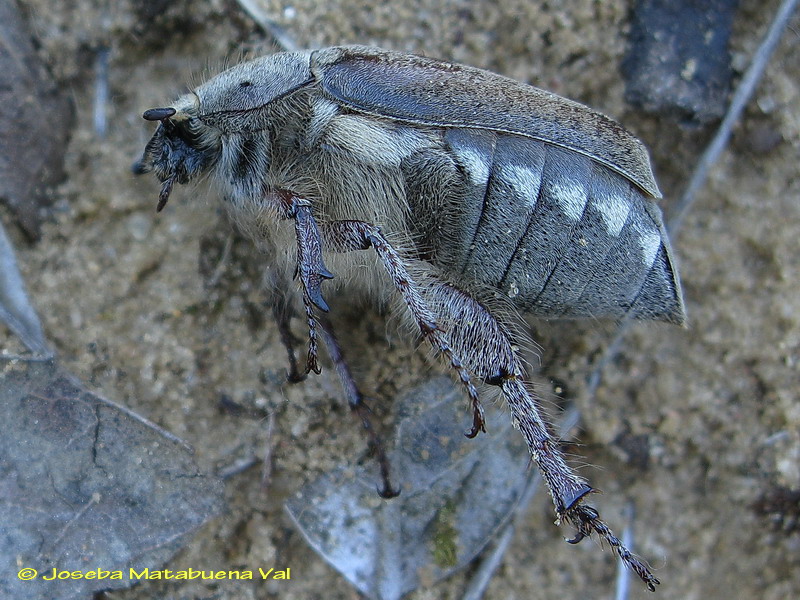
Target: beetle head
181, 149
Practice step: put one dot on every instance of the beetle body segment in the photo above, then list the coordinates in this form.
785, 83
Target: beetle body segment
558, 233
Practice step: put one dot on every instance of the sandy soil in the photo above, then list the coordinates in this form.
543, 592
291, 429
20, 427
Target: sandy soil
695, 426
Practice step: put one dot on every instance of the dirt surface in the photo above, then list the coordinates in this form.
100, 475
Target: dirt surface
698, 427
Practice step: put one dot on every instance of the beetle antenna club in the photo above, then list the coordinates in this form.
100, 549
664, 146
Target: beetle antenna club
158, 114
467, 187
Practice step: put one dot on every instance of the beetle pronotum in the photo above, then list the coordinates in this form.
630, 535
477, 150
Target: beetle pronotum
480, 196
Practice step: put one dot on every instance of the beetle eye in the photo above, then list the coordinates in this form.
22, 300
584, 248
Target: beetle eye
245, 84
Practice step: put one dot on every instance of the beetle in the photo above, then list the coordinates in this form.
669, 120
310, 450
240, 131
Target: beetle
479, 197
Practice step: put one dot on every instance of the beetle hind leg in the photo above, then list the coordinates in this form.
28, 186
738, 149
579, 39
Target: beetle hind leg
587, 521
495, 361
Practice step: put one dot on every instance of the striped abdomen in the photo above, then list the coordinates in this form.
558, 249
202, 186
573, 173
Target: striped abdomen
557, 232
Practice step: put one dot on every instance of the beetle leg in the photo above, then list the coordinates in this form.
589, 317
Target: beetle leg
344, 236
283, 312
586, 520
310, 270
496, 362
357, 405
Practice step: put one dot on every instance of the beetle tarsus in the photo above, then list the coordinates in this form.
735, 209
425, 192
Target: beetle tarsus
587, 521
478, 421
166, 190
282, 312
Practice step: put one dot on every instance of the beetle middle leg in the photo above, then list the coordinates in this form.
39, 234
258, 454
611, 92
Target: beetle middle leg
346, 236
357, 405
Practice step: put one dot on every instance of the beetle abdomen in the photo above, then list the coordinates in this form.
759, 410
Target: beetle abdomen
557, 232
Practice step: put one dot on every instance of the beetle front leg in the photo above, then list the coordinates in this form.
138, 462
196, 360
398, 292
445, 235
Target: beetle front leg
310, 269
283, 312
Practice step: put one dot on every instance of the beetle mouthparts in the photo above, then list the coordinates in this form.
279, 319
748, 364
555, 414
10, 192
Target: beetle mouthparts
140, 168
158, 114
166, 189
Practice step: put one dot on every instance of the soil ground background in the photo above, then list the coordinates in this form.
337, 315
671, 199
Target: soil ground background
695, 426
